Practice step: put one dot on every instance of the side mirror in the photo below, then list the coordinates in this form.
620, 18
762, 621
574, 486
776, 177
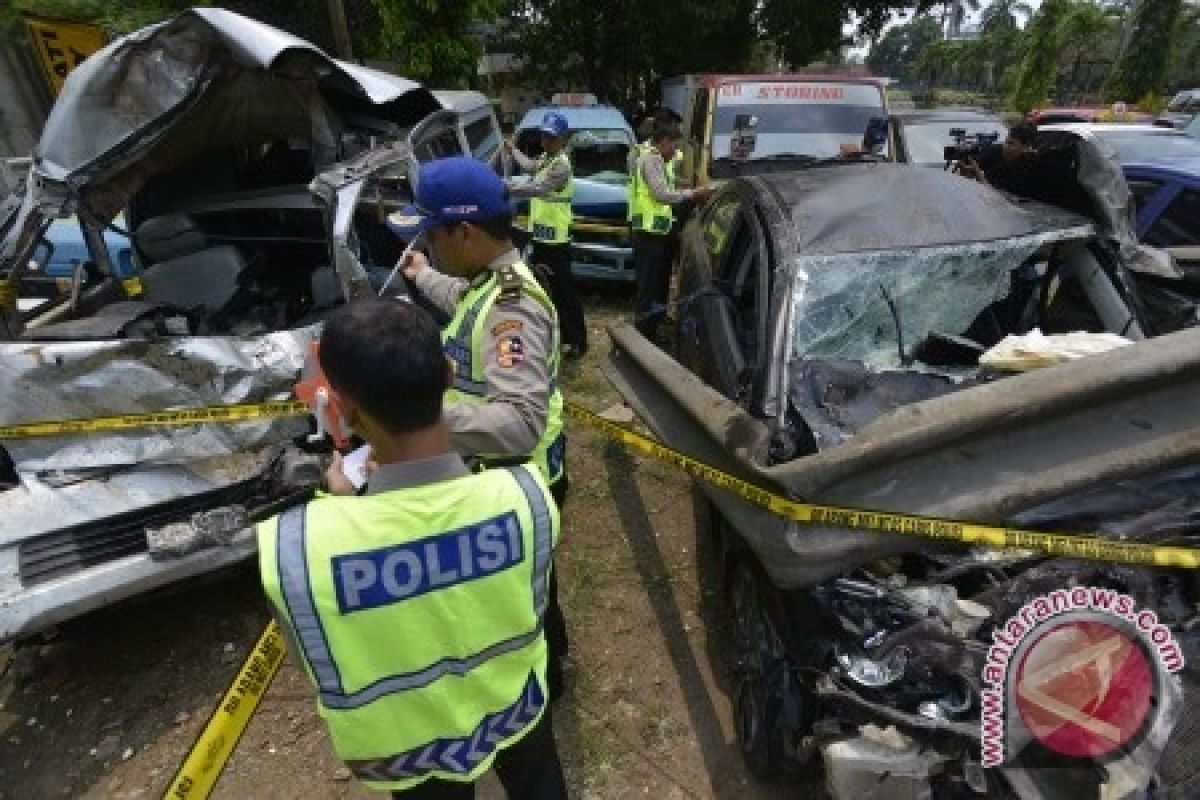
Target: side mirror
876, 135
745, 137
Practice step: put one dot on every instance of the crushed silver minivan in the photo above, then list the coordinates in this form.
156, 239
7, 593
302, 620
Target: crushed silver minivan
254, 173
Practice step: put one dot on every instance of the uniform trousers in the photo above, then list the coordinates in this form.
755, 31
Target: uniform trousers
556, 258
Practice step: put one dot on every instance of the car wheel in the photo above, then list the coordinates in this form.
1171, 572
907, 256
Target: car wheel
760, 674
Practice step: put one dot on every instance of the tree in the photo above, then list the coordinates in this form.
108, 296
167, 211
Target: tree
1004, 14
437, 42
1085, 30
621, 49
1185, 61
898, 49
1039, 63
1142, 66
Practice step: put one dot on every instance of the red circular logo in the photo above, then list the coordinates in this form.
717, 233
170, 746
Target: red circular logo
1084, 688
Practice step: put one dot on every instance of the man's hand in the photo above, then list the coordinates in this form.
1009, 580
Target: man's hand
971, 169
414, 264
702, 193
336, 482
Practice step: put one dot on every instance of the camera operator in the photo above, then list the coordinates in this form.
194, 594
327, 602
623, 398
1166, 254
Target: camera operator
1009, 166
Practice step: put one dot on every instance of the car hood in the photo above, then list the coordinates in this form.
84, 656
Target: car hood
155, 97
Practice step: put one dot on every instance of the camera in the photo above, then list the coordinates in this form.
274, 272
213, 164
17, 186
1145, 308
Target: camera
967, 146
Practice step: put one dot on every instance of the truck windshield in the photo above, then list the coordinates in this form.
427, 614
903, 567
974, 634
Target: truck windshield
793, 117
601, 154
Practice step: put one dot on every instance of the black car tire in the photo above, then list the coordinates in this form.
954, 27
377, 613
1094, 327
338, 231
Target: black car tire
759, 671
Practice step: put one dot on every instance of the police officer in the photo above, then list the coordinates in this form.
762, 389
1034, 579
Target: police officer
416, 609
652, 194
504, 405
551, 190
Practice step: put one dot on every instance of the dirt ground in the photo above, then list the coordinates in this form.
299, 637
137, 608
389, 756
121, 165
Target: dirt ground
110, 706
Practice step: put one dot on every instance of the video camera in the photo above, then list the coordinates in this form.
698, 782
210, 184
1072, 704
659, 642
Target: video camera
967, 146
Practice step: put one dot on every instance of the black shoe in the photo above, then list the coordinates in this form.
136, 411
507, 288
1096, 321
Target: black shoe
572, 352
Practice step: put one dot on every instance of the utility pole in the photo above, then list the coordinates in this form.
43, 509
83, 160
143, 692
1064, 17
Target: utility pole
341, 33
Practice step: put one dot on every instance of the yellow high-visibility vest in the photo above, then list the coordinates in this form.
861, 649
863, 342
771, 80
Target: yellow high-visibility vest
550, 217
417, 614
463, 338
645, 213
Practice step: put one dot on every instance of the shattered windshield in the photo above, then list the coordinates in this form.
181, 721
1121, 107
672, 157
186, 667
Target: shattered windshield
875, 307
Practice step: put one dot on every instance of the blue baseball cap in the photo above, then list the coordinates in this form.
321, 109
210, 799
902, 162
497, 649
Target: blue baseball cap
554, 124
458, 189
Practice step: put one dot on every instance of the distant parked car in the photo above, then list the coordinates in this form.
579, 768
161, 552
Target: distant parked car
1058, 116
1136, 143
921, 136
1183, 108
599, 149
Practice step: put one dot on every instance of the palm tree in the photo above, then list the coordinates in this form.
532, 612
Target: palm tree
1084, 29
1005, 13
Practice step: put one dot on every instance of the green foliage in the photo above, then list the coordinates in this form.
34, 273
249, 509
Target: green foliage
1035, 81
896, 53
431, 39
1142, 67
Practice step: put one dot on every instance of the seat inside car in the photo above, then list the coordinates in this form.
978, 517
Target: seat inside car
188, 271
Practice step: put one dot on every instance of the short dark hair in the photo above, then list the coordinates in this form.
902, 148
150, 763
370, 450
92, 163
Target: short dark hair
1024, 132
387, 356
499, 227
666, 129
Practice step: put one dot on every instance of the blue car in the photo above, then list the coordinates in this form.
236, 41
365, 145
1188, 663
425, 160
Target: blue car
62, 247
599, 148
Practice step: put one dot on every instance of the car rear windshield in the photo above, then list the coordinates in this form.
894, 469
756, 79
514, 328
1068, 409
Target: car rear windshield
1145, 145
1185, 101
811, 119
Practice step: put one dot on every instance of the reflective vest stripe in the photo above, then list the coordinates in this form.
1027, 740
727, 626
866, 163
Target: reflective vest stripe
297, 593
543, 543
460, 755
292, 559
464, 356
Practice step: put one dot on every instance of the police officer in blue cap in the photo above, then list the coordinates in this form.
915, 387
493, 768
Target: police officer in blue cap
551, 190
504, 406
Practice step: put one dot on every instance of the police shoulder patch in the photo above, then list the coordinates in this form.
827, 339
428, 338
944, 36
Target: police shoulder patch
504, 326
510, 350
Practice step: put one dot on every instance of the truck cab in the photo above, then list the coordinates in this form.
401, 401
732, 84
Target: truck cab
732, 119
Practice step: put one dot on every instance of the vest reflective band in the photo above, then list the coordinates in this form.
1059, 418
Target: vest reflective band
442, 700
463, 339
550, 217
646, 213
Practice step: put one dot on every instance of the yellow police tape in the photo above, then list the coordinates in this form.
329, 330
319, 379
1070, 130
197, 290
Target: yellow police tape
184, 416
206, 760
1071, 545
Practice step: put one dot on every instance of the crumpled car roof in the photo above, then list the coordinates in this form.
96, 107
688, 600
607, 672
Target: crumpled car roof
155, 97
866, 207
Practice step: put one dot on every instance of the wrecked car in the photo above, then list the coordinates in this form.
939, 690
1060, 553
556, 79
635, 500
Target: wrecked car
831, 324
254, 173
